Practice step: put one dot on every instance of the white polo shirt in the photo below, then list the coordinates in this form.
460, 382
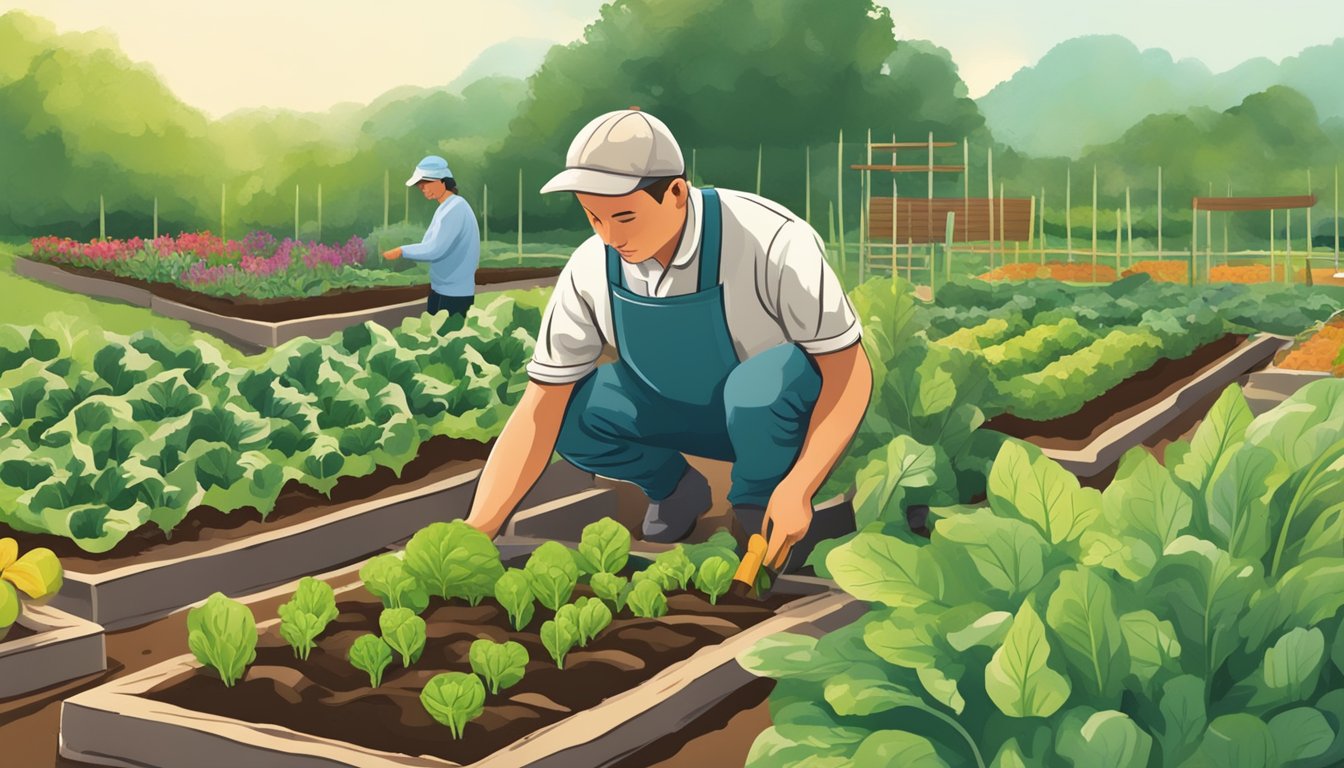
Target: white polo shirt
777, 286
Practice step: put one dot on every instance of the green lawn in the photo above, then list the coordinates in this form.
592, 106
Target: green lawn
27, 303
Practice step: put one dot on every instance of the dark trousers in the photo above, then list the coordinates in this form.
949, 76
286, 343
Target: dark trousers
455, 305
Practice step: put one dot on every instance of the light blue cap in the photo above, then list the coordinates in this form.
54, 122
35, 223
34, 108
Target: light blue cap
432, 167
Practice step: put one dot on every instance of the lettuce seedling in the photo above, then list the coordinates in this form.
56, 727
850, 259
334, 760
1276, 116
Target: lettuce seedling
714, 577
454, 699
405, 632
552, 574
647, 600
559, 636
387, 578
670, 570
610, 588
454, 560
222, 634
306, 614
370, 654
515, 595
593, 617
501, 664
604, 547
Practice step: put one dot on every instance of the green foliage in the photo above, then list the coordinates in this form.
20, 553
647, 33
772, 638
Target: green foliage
454, 560
514, 593
591, 618
454, 699
501, 665
307, 613
404, 632
371, 655
558, 636
646, 600
604, 547
552, 574
670, 570
714, 577
1150, 624
387, 578
222, 634
611, 589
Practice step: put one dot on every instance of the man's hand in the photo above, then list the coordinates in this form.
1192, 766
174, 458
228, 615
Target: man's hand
395, 253
787, 518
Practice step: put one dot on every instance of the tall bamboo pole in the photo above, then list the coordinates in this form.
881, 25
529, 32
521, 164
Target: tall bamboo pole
1094, 223
1043, 246
928, 212
1337, 219
1208, 235
1225, 217
1129, 227
1068, 212
989, 181
1307, 258
760, 157
1117, 241
1271, 244
840, 194
866, 203
965, 184
1031, 226
1003, 247
1288, 245
1159, 212
1194, 241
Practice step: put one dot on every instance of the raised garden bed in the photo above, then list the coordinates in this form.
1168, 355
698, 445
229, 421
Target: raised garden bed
261, 323
639, 681
149, 575
46, 647
1093, 439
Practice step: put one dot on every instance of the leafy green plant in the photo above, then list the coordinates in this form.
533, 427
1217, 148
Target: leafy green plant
671, 570
1188, 615
222, 634
454, 560
591, 618
454, 699
647, 600
514, 593
611, 588
552, 574
559, 635
604, 547
501, 665
371, 655
714, 577
404, 632
387, 578
307, 613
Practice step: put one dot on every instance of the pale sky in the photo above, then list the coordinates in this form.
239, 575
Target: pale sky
311, 54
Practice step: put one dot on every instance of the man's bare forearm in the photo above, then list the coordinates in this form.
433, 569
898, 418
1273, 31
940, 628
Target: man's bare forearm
846, 385
520, 455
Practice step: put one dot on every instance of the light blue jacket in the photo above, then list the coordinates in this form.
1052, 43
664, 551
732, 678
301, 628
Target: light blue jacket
452, 247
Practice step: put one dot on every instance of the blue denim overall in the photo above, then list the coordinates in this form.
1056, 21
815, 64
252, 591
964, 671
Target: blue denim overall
678, 388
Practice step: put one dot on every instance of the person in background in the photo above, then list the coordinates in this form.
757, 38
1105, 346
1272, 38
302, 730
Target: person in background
452, 244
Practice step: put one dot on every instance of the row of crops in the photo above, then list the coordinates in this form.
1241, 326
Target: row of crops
1173, 271
101, 434
257, 266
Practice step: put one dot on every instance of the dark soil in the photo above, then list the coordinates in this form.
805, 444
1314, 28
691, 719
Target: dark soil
206, 527
1132, 396
325, 696
335, 302
16, 632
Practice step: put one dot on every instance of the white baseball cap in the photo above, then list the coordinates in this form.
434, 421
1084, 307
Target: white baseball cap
432, 167
616, 153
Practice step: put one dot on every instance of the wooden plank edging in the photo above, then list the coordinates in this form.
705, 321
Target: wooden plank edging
63, 648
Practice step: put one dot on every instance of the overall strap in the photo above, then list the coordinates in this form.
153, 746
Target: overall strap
615, 275
711, 235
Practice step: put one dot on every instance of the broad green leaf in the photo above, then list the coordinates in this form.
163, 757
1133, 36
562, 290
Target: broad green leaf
1237, 503
1017, 678
1290, 669
370, 655
1108, 739
1236, 741
605, 545
988, 630
1203, 591
501, 665
454, 699
1299, 429
1184, 717
1082, 614
1305, 596
898, 748
1143, 504
1027, 485
1008, 554
1009, 756
881, 568
880, 486
789, 655
1301, 733
1216, 439
1151, 643
864, 689
798, 746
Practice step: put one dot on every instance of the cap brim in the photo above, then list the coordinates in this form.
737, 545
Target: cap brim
420, 176
592, 182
